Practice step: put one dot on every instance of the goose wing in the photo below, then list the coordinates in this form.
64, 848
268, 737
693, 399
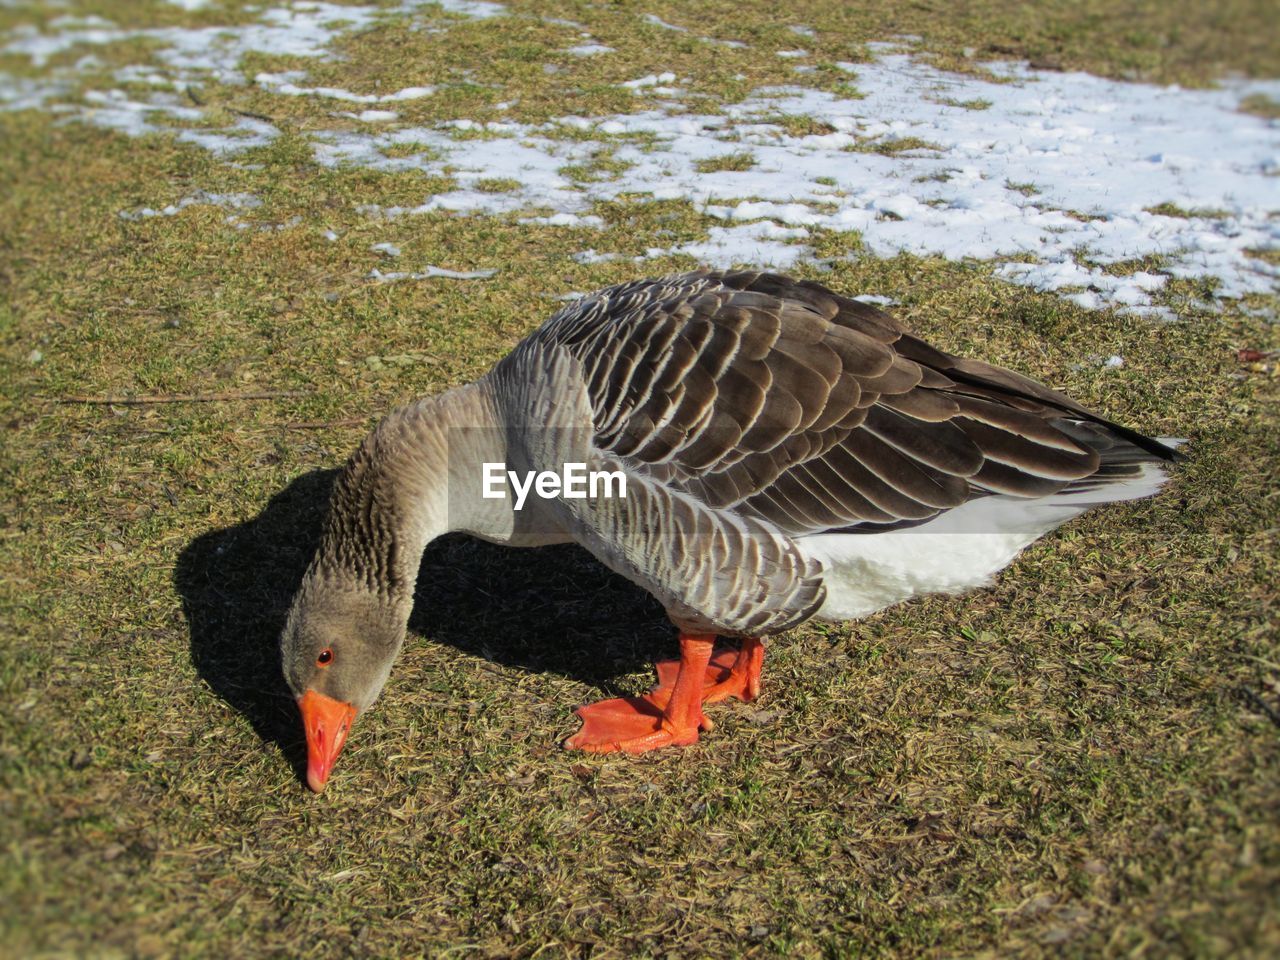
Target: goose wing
786, 402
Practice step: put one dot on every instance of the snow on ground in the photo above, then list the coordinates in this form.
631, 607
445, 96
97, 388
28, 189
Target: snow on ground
233, 201
429, 273
659, 22
283, 83
1052, 175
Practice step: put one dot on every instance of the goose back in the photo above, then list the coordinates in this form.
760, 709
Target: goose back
750, 398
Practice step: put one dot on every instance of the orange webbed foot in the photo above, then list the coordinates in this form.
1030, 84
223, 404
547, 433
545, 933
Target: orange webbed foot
671, 713
631, 725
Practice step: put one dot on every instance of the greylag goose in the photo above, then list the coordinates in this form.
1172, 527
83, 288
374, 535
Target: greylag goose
768, 451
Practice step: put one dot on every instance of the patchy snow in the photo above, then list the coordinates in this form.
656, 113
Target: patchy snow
589, 50
232, 201
1062, 169
475, 9
114, 110
23, 93
885, 47
247, 132
141, 73
753, 243
567, 220
429, 273
659, 22
304, 28
750, 243
591, 255
283, 83
1128, 292
373, 116
39, 47
390, 249
652, 80
72, 23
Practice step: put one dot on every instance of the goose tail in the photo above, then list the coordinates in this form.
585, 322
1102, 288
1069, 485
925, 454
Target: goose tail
1129, 470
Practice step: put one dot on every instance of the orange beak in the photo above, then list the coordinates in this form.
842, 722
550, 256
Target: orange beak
326, 721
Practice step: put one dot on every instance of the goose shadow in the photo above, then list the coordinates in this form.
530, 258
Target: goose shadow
546, 609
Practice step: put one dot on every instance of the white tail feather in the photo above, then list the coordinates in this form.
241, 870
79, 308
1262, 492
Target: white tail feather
960, 550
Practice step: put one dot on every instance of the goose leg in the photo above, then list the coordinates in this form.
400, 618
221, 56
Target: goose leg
663, 717
731, 673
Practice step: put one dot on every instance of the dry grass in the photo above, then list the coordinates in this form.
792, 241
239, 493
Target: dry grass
1081, 760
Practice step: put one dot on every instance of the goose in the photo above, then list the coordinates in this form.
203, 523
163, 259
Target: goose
780, 451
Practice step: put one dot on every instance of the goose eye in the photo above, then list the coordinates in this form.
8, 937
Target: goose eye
326, 656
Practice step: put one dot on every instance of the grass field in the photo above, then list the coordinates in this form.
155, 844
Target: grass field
1080, 761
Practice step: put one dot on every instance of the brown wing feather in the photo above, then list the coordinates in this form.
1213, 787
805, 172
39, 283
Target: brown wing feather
796, 405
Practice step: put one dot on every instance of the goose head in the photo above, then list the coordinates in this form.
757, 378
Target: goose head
337, 650
350, 615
